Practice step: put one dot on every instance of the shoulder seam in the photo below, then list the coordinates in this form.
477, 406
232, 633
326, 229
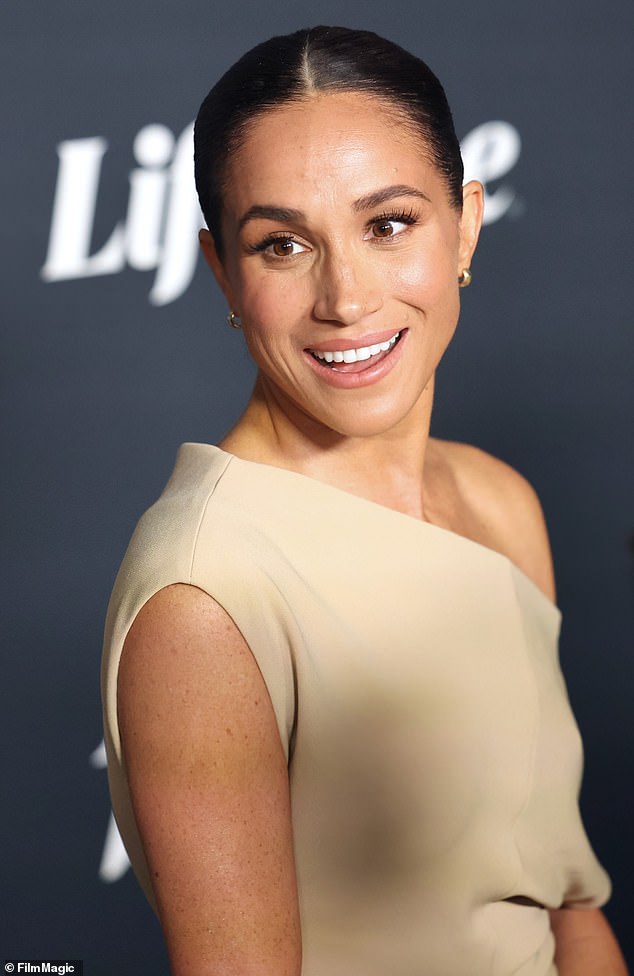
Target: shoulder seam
201, 517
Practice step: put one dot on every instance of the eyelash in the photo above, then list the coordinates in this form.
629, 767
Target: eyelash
272, 239
408, 217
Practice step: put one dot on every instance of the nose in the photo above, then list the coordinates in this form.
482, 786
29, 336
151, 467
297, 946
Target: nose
347, 290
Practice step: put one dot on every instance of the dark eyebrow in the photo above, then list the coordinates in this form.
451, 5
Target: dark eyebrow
368, 202
387, 193
283, 214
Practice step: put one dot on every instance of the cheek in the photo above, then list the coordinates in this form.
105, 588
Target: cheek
272, 303
272, 316
426, 280
428, 264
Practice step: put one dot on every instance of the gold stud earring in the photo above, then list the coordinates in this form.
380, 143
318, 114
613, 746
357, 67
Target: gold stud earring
465, 279
234, 320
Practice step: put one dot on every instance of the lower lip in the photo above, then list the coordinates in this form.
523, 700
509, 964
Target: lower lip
364, 377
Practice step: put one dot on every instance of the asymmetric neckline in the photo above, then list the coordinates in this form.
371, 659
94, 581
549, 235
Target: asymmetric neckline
413, 675
384, 510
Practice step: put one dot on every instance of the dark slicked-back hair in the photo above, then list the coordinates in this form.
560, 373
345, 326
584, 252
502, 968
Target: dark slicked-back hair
319, 59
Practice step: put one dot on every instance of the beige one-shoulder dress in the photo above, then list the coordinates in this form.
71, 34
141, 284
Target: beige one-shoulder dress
433, 758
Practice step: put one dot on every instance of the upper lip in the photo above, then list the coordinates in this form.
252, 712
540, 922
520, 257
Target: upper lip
340, 345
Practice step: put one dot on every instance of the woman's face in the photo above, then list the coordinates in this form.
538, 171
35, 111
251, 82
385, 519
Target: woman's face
341, 257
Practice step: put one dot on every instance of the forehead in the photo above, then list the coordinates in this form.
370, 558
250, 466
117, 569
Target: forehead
327, 144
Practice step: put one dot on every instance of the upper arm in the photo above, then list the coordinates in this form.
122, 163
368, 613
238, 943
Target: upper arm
585, 943
209, 787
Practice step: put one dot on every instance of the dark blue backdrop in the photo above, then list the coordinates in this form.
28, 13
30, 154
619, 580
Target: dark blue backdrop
112, 356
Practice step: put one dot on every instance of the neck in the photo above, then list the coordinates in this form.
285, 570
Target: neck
279, 434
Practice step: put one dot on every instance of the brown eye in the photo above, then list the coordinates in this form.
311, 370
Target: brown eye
389, 226
283, 249
383, 229
279, 247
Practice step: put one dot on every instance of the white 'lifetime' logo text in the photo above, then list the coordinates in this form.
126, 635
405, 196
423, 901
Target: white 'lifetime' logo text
163, 216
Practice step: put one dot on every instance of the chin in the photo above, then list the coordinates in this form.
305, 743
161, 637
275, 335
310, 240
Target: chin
362, 421
363, 413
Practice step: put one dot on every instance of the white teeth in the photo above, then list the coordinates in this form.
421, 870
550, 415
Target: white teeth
356, 355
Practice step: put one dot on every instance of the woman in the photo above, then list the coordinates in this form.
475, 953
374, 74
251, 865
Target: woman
339, 741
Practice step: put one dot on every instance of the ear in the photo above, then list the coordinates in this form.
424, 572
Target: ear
210, 254
470, 222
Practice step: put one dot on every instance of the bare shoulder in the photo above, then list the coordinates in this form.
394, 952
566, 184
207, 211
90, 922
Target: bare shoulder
176, 626
185, 654
497, 506
209, 787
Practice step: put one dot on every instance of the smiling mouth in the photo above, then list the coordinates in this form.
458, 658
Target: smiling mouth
354, 360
